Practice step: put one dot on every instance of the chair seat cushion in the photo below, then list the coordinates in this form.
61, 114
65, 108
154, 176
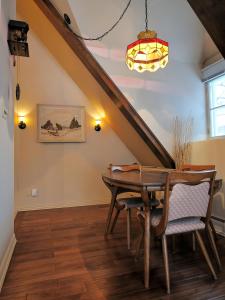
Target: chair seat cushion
135, 202
131, 202
154, 202
178, 226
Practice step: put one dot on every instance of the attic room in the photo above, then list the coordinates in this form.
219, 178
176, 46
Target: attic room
112, 162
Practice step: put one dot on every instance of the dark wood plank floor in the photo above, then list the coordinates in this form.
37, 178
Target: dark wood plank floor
61, 254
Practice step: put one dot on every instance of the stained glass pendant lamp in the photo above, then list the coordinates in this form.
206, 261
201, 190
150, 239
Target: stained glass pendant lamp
148, 53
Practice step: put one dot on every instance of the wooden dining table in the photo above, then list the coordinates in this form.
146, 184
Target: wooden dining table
142, 182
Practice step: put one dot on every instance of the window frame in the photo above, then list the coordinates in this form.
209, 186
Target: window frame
210, 127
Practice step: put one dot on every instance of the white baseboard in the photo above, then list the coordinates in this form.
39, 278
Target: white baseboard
6, 260
15, 213
64, 205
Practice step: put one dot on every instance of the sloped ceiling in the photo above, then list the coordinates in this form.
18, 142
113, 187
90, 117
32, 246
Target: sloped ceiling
173, 20
160, 97
209, 49
79, 8
30, 12
210, 52
211, 13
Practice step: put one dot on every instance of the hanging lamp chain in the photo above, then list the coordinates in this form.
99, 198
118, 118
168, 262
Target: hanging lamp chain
101, 36
146, 15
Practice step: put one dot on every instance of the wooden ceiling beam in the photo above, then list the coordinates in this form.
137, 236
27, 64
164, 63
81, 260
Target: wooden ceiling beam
212, 15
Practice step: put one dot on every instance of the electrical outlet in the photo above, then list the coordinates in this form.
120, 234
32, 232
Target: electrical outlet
34, 192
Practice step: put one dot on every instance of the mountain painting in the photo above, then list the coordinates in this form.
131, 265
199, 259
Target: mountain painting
59, 123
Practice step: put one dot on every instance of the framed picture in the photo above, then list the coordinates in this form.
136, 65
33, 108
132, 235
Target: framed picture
60, 124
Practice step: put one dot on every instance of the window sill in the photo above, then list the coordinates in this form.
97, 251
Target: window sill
219, 137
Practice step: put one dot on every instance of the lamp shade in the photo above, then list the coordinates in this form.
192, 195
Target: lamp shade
148, 53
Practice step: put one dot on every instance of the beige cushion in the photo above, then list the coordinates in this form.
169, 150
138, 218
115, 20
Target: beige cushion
131, 202
188, 201
135, 202
178, 226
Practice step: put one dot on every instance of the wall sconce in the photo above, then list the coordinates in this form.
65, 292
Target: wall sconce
98, 125
22, 122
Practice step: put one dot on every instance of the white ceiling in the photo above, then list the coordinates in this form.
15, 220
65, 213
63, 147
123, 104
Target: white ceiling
174, 20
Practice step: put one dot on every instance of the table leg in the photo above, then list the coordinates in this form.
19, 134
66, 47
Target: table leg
112, 205
147, 239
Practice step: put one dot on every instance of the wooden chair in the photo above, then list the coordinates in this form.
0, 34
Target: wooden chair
183, 210
128, 202
190, 167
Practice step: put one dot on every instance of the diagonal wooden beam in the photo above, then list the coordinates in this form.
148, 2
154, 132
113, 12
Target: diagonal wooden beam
212, 15
106, 83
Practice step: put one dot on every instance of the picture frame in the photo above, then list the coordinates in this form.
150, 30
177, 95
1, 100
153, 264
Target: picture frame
60, 123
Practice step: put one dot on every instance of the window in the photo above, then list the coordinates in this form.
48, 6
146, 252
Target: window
216, 94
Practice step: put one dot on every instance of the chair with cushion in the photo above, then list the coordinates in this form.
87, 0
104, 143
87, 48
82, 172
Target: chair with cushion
127, 202
211, 230
187, 199
190, 167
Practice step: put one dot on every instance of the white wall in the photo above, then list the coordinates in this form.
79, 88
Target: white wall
158, 97
6, 134
64, 174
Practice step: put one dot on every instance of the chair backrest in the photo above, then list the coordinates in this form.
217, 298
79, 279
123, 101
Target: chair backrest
121, 168
191, 196
125, 168
188, 201
135, 167
190, 167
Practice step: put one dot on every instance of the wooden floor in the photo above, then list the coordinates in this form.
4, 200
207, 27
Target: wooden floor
61, 254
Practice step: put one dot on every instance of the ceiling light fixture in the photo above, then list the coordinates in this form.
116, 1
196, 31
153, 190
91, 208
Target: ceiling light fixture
148, 53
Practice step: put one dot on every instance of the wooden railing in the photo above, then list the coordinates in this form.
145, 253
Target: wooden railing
106, 83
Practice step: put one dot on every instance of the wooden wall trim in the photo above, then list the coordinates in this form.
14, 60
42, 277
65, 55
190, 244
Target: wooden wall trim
211, 13
106, 83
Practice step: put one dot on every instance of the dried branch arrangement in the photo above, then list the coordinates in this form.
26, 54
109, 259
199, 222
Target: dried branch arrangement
182, 144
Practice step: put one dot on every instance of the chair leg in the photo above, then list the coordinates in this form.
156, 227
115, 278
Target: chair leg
173, 244
205, 253
213, 245
140, 240
213, 229
111, 208
193, 242
128, 227
115, 220
166, 262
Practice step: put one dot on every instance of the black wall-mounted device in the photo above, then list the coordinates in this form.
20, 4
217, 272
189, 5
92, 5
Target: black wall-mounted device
17, 38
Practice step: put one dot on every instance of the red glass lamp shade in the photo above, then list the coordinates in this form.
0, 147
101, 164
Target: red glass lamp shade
148, 53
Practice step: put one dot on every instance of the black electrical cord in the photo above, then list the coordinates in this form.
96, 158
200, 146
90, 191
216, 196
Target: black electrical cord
100, 37
146, 15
